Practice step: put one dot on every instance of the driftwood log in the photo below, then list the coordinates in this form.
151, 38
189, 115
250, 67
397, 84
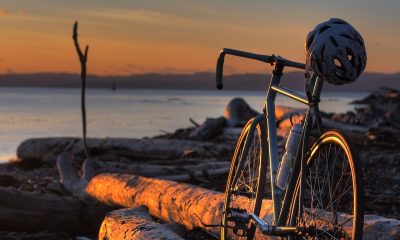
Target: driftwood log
134, 223
69, 176
74, 184
26, 212
178, 171
194, 206
48, 149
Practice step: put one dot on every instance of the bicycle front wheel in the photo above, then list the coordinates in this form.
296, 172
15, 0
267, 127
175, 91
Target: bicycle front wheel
245, 185
332, 205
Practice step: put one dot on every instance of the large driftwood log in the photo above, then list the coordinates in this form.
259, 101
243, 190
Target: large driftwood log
194, 206
48, 149
134, 223
167, 200
25, 212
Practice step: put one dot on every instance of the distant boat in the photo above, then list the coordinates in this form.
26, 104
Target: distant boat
114, 85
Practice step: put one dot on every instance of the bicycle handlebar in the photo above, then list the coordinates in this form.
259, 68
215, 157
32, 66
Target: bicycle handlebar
263, 58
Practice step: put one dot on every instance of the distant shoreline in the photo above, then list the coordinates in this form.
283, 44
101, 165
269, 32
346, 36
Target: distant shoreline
170, 89
196, 81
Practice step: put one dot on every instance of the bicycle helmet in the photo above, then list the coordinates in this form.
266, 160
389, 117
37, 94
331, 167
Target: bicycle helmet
336, 52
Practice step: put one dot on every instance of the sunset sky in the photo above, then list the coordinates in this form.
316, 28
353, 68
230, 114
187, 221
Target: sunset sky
178, 36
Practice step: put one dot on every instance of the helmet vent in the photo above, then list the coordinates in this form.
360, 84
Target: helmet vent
333, 40
350, 56
337, 63
323, 29
346, 36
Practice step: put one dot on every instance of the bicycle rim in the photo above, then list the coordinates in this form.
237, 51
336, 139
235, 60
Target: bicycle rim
333, 191
247, 174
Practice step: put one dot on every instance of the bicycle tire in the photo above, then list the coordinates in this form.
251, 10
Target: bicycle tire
342, 206
249, 154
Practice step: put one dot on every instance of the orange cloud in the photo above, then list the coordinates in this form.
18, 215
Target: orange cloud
4, 12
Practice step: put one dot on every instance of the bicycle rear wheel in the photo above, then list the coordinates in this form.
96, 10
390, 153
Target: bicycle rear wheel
245, 185
332, 205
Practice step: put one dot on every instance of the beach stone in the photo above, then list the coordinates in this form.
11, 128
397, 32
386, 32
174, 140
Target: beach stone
238, 112
210, 129
8, 181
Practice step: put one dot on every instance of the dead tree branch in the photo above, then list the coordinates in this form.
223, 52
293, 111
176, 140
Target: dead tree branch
83, 60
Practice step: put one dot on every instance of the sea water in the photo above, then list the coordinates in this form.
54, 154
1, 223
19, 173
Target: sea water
51, 112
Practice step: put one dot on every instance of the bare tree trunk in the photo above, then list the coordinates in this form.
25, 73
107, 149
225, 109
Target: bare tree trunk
134, 223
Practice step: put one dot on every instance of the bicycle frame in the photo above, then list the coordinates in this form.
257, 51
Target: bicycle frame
281, 201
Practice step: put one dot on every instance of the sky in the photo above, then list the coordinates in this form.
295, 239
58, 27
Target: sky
182, 36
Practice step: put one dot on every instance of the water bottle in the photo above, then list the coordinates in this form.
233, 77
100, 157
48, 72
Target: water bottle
286, 165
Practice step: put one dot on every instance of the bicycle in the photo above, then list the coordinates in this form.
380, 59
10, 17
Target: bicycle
322, 197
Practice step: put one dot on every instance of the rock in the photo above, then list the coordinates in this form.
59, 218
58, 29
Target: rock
57, 188
380, 108
238, 112
8, 181
82, 238
393, 116
210, 129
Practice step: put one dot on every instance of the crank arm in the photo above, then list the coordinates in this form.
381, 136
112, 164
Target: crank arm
271, 230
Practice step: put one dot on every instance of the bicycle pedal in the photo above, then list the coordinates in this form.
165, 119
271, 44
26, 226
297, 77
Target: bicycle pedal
239, 231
